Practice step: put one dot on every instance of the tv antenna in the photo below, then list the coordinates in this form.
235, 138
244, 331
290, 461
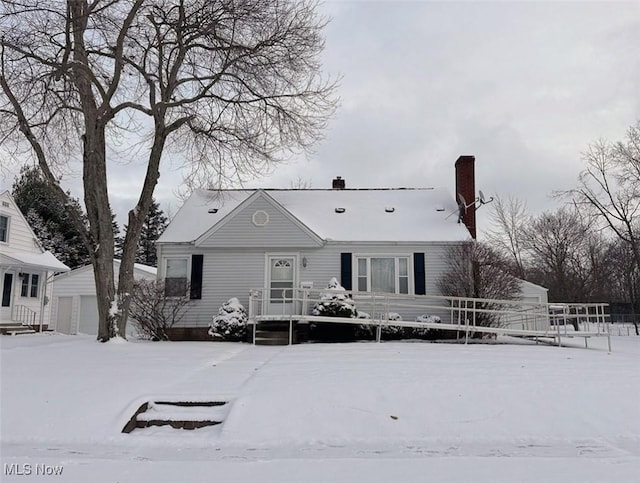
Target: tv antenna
463, 206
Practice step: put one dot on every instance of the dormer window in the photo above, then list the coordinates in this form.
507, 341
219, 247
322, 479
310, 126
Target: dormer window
4, 228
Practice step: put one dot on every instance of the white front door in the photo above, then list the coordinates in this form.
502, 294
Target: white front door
8, 279
281, 279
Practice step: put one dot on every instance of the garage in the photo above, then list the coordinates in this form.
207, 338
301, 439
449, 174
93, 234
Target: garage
74, 300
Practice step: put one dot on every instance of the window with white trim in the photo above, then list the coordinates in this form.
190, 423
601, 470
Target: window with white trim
383, 274
30, 285
176, 277
4, 228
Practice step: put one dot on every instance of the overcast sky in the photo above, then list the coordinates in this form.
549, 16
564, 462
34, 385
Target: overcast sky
525, 87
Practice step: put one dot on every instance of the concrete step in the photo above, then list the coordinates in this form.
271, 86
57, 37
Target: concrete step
15, 329
178, 414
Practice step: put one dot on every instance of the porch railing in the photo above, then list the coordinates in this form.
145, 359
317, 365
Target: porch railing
464, 314
25, 315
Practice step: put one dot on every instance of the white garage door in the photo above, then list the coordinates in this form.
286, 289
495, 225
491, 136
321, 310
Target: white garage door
63, 320
88, 323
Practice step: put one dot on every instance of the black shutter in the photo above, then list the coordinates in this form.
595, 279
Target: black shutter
196, 277
418, 274
345, 270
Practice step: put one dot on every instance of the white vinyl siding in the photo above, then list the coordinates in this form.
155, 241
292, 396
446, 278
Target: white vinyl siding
279, 231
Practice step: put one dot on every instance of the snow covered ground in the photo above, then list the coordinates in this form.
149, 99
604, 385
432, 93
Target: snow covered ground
322, 412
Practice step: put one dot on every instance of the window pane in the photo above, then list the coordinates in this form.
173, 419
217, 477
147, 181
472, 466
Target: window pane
4, 224
383, 274
35, 279
404, 285
277, 290
362, 267
175, 287
176, 268
402, 267
24, 288
282, 269
362, 284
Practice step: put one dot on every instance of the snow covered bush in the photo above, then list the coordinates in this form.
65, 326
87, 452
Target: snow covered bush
429, 333
231, 322
337, 302
392, 332
153, 313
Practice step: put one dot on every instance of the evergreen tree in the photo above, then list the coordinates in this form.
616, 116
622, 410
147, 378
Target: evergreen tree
154, 224
49, 218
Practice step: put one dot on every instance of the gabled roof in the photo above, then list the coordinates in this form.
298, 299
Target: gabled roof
116, 265
260, 193
385, 214
38, 258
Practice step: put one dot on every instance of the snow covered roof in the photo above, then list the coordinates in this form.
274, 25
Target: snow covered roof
385, 214
23, 260
116, 266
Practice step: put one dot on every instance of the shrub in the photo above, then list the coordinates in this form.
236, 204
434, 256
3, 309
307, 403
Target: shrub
336, 303
153, 314
231, 322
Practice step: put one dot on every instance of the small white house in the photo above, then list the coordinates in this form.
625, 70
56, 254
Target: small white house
26, 269
224, 243
75, 307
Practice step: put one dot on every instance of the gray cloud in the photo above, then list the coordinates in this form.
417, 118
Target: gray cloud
524, 86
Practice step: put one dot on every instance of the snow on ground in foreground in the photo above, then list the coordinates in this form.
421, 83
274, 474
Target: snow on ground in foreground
322, 412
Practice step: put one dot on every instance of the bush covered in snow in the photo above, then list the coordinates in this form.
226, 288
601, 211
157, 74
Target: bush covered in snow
336, 302
230, 323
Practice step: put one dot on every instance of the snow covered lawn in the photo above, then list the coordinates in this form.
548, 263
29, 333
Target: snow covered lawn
321, 412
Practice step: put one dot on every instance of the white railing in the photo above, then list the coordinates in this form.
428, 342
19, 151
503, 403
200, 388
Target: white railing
462, 314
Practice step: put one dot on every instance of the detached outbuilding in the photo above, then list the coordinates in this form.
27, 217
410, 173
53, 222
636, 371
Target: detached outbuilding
75, 307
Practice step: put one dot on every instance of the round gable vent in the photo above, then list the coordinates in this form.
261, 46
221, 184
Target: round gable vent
260, 218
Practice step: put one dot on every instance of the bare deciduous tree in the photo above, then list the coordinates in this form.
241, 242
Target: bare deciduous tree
477, 270
153, 313
609, 187
567, 256
233, 86
509, 218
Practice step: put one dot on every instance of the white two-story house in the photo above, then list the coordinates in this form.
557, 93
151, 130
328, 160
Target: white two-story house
26, 270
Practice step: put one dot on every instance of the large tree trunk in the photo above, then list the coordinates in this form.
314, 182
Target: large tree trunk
134, 227
100, 226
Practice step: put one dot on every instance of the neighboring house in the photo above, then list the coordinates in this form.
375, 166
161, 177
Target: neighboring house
75, 307
530, 292
26, 269
223, 243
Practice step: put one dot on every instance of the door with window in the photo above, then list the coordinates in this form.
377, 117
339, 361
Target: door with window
281, 279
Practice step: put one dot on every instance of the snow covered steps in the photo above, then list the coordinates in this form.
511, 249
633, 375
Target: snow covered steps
15, 329
273, 333
178, 414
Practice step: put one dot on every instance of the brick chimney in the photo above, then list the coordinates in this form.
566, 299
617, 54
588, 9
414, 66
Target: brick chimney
466, 186
338, 183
